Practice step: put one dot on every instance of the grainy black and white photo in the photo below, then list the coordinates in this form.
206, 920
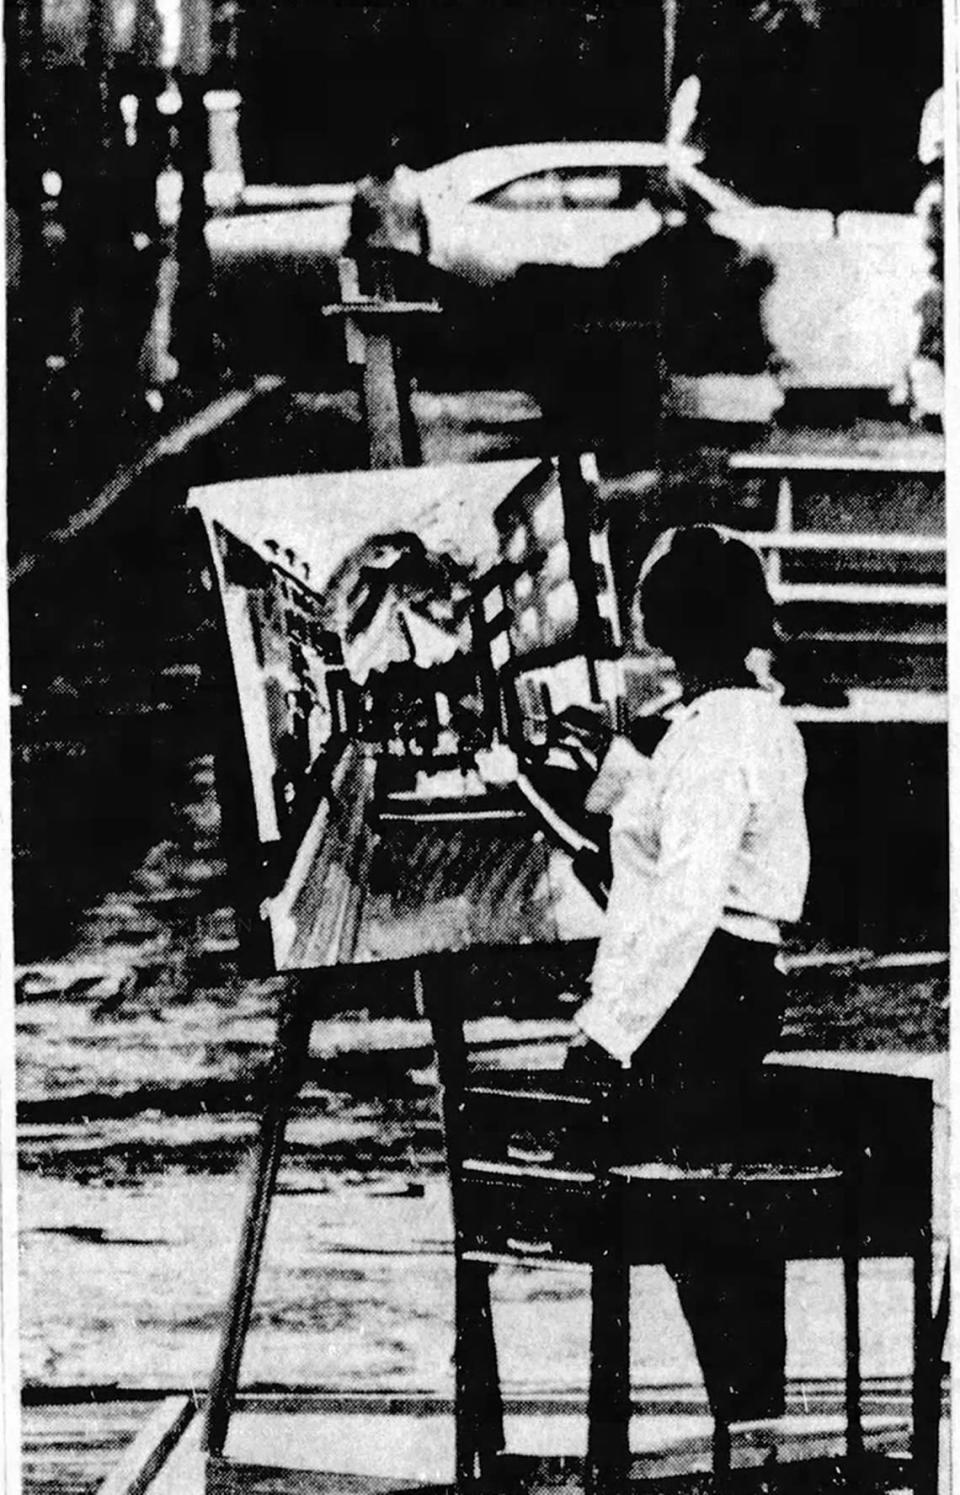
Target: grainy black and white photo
476, 517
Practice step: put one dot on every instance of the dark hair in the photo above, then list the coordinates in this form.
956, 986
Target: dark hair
703, 598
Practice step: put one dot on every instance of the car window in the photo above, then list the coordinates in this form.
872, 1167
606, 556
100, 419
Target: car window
589, 188
540, 190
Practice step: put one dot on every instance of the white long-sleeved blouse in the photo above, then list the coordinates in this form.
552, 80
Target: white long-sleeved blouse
709, 833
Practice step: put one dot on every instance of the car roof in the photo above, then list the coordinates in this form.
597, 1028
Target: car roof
485, 169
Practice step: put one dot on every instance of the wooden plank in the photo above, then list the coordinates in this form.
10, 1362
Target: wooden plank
142, 1460
819, 1449
68, 1447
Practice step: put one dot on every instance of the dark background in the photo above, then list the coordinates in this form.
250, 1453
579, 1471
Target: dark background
805, 104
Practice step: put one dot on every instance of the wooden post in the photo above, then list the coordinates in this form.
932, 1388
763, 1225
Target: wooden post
382, 401
371, 327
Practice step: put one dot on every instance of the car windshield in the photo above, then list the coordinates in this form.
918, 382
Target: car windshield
591, 188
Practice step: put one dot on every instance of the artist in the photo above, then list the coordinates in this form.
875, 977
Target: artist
709, 857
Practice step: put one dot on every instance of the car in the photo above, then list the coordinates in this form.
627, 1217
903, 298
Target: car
840, 313
493, 211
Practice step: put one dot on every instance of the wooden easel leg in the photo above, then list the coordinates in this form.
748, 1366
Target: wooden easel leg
926, 1388
479, 1405
608, 1406
292, 1041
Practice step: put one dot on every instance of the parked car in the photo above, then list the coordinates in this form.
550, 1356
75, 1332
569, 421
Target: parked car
841, 311
492, 211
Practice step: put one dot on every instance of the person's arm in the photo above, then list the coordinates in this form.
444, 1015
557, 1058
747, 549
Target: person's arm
664, 909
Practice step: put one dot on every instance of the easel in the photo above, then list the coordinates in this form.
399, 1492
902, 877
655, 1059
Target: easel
372, 327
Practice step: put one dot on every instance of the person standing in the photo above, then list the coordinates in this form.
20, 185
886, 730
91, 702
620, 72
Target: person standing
710, 857
389, 237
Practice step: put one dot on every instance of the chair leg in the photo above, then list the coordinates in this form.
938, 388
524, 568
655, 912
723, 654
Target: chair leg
941, 1318
478, 1400
853, 1381
608, 1408
926, 1388
291, 1046
720, 1452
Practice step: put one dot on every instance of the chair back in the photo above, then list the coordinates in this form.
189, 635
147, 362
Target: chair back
805, 1160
